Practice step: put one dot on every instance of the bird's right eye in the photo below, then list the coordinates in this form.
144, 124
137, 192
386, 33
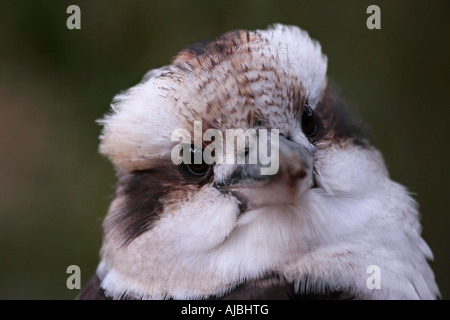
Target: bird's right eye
197, 169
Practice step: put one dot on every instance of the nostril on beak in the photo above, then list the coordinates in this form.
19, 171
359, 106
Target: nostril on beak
300, 174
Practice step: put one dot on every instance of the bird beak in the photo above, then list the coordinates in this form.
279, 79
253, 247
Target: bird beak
293, 177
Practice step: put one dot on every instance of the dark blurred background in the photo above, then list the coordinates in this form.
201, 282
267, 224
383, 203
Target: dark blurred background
54, 83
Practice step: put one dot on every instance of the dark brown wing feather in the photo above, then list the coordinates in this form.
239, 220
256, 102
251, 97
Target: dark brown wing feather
92, 291
271, 287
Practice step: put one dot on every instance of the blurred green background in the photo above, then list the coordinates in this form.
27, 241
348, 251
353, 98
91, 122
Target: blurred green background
54, 83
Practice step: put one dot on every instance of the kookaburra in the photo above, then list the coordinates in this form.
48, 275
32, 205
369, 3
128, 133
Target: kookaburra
313, 230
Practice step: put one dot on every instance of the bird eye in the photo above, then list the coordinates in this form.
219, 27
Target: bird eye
309, 126
197, 169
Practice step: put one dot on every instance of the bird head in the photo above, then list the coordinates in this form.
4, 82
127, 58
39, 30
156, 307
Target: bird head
316, 206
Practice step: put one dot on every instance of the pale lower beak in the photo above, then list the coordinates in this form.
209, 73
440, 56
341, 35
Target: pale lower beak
294, 176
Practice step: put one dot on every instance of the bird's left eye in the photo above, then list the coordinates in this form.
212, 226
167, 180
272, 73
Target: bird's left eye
309, 126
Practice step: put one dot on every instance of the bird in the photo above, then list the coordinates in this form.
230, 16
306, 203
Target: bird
322, 226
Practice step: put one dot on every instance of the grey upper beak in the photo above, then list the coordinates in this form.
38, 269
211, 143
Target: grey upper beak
293, 176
